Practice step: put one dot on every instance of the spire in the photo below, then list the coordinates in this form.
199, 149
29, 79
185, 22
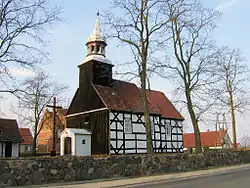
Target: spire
96, 44
97, 32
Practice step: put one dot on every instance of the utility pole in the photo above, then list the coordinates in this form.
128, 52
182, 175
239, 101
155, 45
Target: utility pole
54, 107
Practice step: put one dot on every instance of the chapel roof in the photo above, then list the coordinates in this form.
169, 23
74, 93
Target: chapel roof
125, 96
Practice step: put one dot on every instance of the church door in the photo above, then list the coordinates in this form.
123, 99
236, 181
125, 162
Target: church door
67, 146
8, 149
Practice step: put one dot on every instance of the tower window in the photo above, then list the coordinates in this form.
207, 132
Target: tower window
98, 49
92, 49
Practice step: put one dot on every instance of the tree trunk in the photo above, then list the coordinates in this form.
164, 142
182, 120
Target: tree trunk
34, 140
230, 92
198, 147
146, 110
233, 120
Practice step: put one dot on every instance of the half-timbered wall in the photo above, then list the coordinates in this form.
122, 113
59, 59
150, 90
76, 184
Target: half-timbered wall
166, 134
173, 142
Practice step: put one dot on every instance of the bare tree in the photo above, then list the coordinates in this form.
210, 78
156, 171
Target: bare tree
245, 142
231, 92
190, 60
140, 26
39, 93
22, 26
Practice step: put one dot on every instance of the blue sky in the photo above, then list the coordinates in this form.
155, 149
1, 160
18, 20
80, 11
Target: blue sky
67, 42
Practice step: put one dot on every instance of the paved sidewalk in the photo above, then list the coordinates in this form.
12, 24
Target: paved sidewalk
128, 182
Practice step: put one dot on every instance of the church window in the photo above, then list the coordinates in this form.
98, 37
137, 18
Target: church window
86, 120
168, 128
128, 125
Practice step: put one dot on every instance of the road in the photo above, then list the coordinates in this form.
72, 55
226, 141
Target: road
233, 179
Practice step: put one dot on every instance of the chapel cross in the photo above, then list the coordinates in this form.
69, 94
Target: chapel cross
53, 151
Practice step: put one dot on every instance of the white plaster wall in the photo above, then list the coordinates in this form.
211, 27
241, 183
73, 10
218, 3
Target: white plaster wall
83, 149
62, 142
138, 128
15, 149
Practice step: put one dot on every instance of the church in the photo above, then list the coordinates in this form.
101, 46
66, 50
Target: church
112, 111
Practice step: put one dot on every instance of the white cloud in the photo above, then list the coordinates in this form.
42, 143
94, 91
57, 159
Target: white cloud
21, 72
224, 5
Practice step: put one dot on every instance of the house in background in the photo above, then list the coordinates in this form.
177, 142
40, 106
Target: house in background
45, 137
26, 144
212, 139
113, 112
9, 138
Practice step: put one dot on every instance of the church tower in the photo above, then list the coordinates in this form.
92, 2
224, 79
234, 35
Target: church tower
95, 68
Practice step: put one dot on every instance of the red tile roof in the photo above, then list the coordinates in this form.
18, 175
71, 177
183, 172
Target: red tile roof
26, 136
126, 97
9, 130
160, 101
209, 138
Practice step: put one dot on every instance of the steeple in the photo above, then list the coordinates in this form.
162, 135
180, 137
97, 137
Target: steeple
96, 44
95, 68
97, 32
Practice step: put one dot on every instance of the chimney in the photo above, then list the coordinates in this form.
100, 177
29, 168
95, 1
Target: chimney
208, 130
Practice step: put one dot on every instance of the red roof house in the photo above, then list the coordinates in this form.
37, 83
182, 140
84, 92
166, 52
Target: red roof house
45, 136
211, 139
27, 138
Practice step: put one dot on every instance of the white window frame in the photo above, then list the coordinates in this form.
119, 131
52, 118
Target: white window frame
128, 127
168, 128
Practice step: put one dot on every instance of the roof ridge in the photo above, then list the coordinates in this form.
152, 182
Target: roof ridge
127, 82
8, 119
